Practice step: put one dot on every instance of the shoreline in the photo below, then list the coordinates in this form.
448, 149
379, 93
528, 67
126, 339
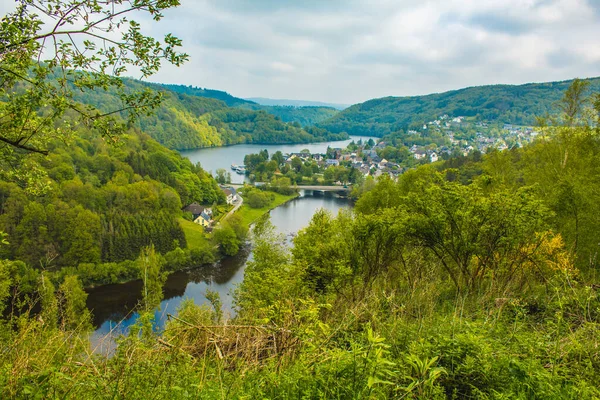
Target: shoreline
253, 220
265, 144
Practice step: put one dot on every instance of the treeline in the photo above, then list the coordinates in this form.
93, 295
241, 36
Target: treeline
190, 118
508, 104
305, 116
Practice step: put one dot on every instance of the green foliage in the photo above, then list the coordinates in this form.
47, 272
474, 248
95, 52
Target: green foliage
5, 284
230, 235
259, 199
226, 240
518, 105
75, 315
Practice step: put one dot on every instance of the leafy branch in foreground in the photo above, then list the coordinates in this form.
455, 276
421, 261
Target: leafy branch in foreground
50, 49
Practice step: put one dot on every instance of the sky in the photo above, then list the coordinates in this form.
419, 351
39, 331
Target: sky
349, 51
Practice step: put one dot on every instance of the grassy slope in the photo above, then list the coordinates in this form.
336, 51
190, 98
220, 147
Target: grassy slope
194, 234
249, 215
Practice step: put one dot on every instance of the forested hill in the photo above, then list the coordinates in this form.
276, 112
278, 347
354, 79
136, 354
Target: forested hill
296, 103
104, 204
225, 97
496, 103
302, 112
185, 121
305, 115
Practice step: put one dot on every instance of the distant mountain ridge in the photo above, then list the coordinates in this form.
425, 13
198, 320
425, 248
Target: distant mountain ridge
295, 103
510, 104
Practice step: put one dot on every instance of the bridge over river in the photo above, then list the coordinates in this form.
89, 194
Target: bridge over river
320, 188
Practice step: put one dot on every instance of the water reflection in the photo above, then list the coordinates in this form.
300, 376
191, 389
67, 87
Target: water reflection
113, 305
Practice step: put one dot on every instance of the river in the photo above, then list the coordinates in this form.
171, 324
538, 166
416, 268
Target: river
214, 158
113, 306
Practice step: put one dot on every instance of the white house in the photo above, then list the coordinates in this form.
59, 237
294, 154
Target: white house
419, 154
231, 194
433, 157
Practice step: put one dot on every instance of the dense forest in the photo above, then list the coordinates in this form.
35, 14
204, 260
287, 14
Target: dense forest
504, 104
190, 90
295, 103
476, 277
191, 118
304, 115
102, 203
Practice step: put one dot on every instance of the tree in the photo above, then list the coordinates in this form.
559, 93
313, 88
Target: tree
573, 100
223, 176
278, 157
227, 240
75, 314
296, 164
259, 199
51, 49
153, 278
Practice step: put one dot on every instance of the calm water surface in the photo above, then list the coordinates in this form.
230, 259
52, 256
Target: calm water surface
113, 305
222, 157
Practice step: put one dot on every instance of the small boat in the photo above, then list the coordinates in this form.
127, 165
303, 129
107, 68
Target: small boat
234, 167
240, 170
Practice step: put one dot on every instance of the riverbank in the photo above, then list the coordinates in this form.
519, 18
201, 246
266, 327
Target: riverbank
250, 215
115, 304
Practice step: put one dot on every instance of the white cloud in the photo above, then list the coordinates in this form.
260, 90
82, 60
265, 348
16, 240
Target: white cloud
348, 51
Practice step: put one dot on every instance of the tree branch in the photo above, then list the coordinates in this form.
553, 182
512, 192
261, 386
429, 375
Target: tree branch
18, 144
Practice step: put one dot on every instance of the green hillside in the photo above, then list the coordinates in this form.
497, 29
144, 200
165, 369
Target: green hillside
185, 121
497, 103
225, 97
305, 116
295, 103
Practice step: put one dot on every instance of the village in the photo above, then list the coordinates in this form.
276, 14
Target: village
441, 139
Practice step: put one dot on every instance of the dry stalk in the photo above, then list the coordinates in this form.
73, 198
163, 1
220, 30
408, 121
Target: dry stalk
250, 344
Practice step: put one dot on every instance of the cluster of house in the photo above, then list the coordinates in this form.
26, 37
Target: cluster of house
203, 215
368, 162
483, 141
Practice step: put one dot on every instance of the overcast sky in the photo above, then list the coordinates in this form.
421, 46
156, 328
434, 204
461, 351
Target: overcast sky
348, 51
